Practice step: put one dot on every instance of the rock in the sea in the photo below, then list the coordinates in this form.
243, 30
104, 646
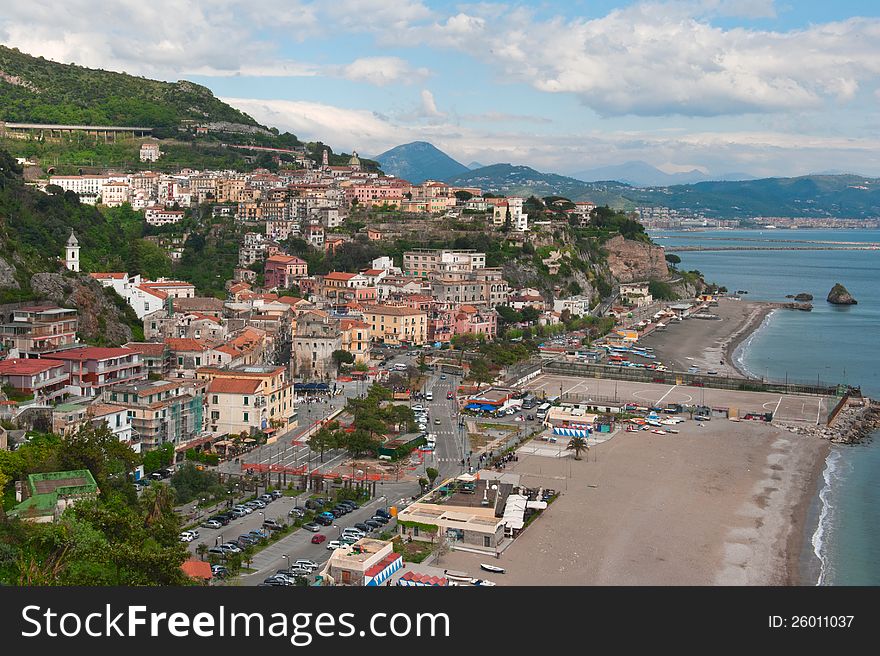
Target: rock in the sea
840, 296
803, 297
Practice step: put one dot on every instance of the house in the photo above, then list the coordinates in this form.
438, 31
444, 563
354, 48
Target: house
155, 357
577, 306
94, 369
159, 216
150, 152
46, 496
44, 379
37, 329
247, 399
356, 338
283, 271
471, 321
116, 419
367, 562
161, 411
316, 337
422, 262
394, 325
115, 193
636, 294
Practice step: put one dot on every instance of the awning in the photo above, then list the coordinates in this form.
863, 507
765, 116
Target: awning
571, 432
376, 576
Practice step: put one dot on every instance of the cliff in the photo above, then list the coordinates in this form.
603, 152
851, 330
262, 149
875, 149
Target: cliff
634, 261
839, 295
105, 319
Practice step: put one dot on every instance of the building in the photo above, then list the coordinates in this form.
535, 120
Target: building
367, 562
315, 338
636, 294
577, 306
159, 216
71, 250
44, 379
282, 271
466, 510
46, 496
92, 369
356, 338
38, 329
394, 325
115, 193
161, 411
248, 399
422, 262
155, 357
150, 152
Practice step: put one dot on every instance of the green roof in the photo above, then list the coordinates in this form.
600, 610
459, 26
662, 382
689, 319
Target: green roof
45, 490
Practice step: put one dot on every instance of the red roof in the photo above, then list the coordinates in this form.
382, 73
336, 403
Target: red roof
339, 275
26, 367
147, 348
106, 276
91, 353
184, 344
197, 569
382, 564
285, 259
233, 386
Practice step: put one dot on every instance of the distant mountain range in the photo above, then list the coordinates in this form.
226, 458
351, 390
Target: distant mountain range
419, 161
642, 174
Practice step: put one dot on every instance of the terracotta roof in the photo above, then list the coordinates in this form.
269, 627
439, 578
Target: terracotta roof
393, 310
90, 353
197, 569
26, 366
285, 259
104, 409
339, 275
109, 276
347, 324
154, 292
147, 348
373, 272
233, 386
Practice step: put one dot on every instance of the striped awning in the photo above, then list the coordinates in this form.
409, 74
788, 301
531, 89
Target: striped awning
571, 432
385, 573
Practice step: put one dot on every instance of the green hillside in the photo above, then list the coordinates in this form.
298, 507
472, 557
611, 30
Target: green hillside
36, 90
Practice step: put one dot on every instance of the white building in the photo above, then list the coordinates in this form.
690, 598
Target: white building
114, 194
519, 220
71, 257
159, 216
578, 306
150, 152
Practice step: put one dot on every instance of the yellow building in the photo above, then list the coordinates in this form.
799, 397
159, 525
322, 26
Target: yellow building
247, 399
397, 325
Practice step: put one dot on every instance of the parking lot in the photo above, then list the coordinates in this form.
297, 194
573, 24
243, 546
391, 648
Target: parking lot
785, 407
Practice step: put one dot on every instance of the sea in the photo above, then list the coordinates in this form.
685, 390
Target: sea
831, 344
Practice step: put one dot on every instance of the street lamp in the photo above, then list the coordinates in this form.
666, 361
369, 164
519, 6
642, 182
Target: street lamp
287, 558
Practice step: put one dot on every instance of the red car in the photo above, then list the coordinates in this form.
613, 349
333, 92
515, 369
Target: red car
449, 395
318, 538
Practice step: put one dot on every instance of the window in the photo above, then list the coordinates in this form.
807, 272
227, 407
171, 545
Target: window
214, 399
246, 416
487, 541
247, 400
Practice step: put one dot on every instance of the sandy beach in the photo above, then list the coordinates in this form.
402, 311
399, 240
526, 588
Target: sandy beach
709, 344
724, 504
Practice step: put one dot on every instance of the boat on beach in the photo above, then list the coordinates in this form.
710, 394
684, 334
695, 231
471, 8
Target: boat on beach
492, 568
482, 582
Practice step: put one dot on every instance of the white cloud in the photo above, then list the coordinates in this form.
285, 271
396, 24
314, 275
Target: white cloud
429, 106
381, 71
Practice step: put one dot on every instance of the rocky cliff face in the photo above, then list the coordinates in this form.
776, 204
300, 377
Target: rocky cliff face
839, 295
102, 319
634, 261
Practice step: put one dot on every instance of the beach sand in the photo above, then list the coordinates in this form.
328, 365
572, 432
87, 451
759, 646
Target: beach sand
708, 343
724, 504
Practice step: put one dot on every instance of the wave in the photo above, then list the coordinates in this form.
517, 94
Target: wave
741, 351
818, 540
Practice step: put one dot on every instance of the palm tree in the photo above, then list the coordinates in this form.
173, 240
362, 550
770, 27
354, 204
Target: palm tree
202, 549
158, 502
578, 444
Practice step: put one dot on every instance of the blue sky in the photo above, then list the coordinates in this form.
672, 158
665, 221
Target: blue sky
765, 87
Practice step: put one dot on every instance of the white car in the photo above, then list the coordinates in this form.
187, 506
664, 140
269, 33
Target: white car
418, 408
306, 564
189, 536
334, 544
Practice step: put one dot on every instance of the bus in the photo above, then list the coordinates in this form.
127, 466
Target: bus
542, 411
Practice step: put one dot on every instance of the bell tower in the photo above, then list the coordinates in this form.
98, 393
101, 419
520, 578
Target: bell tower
71, 259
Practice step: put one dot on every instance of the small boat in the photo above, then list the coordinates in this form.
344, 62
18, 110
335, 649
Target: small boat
482, 582
492, 568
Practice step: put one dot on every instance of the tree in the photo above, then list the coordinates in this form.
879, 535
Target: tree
422, 364
321, 440
578, 444
202, 550
360, 441
479, 371
432, 475
341, 356
424, 482
672, 258
461, 195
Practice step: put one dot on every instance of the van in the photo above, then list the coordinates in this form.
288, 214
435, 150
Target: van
429, 396
386, 458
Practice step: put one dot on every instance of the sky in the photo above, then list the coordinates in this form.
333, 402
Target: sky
761, 87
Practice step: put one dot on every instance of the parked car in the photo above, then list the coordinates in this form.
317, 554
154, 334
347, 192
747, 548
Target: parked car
212, 523
323, 520
314, 504
238, 512
437, 421
351, 504
348, 538
230, 547
384, 513
442, 376
219, 571
266, 498
296, 512
276, 494
318, 538
188, 536
312, 527
259, 534
217, 551
334, 544
246, 540
272, 525
256, 503
379, 518
363, 528
305, 563
372, 524
278, 580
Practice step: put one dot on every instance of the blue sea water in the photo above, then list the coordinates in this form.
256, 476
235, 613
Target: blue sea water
831, 344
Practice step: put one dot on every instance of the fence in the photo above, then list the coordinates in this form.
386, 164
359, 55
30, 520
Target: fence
586, 370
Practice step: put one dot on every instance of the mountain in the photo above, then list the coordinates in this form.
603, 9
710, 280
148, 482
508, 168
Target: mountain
525, 181
419, 161
818, 196
36, 90
642, 174
475, 165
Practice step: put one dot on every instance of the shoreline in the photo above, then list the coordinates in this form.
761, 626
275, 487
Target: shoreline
745, 332
806, 516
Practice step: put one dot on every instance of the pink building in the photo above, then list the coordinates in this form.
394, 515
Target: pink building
470, 320
283, 271
93, 369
